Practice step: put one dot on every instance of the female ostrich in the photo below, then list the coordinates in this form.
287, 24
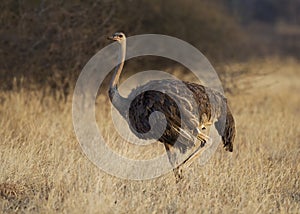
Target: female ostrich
209, 107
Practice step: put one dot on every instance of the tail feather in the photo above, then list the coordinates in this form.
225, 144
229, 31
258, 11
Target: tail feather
228, 132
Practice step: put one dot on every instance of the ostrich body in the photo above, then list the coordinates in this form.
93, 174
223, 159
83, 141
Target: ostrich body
209, 107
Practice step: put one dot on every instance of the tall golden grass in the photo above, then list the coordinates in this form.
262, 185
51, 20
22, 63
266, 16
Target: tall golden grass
43, 169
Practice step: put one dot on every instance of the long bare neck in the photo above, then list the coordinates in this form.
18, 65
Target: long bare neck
115, 80
117, 100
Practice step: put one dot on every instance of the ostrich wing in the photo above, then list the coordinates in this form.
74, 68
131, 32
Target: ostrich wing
175, 101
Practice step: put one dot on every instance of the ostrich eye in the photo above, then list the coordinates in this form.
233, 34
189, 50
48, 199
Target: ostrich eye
120, 36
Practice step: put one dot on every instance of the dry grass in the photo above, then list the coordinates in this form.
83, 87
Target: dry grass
44, 170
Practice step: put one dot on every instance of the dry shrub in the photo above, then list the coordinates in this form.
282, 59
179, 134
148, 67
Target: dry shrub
49, 42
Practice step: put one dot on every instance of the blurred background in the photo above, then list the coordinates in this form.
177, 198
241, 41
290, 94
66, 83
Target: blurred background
47, 42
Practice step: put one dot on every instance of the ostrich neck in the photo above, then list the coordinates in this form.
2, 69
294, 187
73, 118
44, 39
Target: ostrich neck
115, 80
117, 100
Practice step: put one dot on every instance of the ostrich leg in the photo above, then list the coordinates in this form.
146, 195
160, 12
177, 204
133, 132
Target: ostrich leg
204, 142
171, 152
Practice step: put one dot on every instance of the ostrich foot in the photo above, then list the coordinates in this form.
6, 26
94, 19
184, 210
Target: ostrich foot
178, 174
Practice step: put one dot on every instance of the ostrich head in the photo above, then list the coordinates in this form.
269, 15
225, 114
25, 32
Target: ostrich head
118, 36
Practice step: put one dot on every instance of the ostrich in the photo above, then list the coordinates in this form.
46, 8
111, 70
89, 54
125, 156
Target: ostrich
211, 107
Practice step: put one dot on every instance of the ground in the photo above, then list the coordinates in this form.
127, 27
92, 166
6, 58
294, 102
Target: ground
44, 170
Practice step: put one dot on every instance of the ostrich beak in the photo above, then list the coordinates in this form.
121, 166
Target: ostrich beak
110, 37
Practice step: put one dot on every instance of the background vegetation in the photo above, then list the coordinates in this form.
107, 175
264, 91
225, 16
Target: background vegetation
48, 42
